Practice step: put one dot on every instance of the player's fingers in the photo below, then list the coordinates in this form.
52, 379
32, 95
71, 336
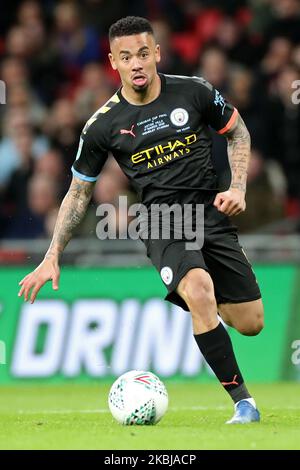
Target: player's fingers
233, 212
55, 281
229, 206
225, 206
28, 285
21, 291
34, 292
27, 291
236, 209
218, 201
23, 280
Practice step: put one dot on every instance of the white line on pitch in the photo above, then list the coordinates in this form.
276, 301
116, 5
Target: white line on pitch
106, 410
174, 408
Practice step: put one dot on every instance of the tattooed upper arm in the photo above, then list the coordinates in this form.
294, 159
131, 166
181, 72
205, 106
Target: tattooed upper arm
238, 130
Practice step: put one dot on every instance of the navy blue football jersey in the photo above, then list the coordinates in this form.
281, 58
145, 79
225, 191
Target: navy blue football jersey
164, 147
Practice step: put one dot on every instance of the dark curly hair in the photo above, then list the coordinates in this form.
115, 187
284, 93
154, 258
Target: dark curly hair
128, 26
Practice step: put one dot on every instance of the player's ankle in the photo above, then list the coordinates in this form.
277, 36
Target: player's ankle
249, 400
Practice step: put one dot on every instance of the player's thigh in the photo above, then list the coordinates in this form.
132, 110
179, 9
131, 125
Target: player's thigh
232, 274
246, 317
173, 262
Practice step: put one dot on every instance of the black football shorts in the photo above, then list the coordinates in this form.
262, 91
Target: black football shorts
221, 256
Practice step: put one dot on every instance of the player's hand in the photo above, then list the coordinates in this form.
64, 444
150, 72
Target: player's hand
46, 271
230, 202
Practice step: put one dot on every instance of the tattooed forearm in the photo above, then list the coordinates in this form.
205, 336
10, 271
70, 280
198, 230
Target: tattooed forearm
239, 154
71, 213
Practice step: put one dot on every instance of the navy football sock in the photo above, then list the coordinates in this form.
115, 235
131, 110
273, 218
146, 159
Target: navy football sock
216, 347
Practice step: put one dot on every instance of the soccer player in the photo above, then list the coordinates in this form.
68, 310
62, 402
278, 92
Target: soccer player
156, 126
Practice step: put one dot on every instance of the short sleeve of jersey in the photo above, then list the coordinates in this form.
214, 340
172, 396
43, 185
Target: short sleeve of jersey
92, 153
214, 108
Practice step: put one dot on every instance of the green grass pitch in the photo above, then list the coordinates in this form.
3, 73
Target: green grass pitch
77, 417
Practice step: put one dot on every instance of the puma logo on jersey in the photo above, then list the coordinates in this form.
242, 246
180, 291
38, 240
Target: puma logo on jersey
126, 131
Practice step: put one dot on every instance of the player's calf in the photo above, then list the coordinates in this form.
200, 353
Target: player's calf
196, 288
246, 317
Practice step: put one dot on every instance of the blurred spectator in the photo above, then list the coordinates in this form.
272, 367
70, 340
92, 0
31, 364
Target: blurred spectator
175, 12
264, 206
28, 42
15, 194
21, 99
41, 200
15, 123
214, 67
278, 56
241, 87
232, 37
113, 184
14, 72
93, 90
296, 56
171, 62
100, 14
282, 120
286, 21
63, 128
17, 43
46, 64
51, 164
29, 13
78, 44
262, 17
110, 186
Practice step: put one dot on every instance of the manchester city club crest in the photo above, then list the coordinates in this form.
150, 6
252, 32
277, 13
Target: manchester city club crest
166, 275
179, 117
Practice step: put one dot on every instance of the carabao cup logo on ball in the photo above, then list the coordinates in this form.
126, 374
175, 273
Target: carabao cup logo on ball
179, 117
138, 398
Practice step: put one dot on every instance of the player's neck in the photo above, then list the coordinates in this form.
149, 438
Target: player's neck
139, 99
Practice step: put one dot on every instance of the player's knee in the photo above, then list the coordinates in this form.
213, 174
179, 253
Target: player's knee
197, 289
252, 330
253, 327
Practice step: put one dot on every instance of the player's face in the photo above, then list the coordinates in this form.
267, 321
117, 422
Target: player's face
135, 57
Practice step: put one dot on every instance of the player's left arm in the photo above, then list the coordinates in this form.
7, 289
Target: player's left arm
232, 201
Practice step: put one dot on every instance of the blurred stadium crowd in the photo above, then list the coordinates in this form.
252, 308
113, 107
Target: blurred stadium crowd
54, 64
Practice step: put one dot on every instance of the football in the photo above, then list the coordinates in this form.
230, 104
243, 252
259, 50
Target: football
138, 397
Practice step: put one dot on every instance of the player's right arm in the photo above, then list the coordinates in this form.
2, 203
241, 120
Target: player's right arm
71, 213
